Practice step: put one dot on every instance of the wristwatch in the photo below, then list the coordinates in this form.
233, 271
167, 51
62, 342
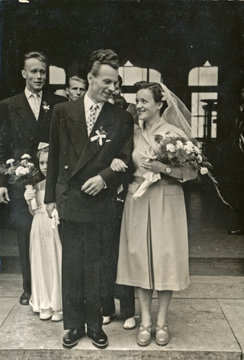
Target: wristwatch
168, 169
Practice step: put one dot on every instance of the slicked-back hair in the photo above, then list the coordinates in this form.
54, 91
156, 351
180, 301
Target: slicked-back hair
35, 55
103, 57
76, 78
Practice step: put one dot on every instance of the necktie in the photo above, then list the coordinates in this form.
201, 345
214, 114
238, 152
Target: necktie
36, 105
91, 118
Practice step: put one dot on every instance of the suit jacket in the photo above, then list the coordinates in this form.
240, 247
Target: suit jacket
20, 132
74, 158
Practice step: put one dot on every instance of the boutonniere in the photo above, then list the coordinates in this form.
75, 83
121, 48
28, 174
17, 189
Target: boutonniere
101, 136
45, 106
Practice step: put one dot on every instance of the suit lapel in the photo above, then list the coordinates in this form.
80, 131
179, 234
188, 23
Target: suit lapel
25, 112
92, 147
76, 124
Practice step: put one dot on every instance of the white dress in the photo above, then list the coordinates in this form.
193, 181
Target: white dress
153, 252
45, 258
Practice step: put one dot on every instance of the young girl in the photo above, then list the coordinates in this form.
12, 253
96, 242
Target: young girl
45, 251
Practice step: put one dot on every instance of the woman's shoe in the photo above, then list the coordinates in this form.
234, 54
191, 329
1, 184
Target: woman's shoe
129, 323
45, 314
57, 316
162, 335
144, 335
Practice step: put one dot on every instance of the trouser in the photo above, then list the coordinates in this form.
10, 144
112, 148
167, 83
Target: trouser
85, 278
22, 220
122, 292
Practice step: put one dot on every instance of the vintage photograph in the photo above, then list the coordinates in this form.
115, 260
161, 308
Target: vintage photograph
121, 179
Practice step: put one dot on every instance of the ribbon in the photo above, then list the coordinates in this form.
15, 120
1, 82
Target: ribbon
100, 136
55, 219
150, 178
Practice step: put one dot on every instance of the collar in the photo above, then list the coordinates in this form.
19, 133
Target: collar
28, 93
88, 103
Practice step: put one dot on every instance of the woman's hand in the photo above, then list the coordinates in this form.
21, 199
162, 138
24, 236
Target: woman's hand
155, 166
29, 194
118, 165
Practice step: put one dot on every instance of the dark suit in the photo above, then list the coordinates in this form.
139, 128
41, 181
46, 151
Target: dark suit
20, 133
87, 229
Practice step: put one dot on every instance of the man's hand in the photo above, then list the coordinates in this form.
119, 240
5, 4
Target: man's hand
93, 186
49, 208
4, 197
118, 165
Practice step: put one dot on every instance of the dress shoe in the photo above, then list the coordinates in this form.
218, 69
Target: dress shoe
129, 324
45, 314
24, 299
99, 338
144, 335
107, 319
72, 337
162, 335
236, 232
57, 316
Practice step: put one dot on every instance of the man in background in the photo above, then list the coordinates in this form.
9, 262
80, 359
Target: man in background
24, 122
76, 87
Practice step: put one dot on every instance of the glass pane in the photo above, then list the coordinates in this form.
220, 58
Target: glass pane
203, 76
198, 113
57, 75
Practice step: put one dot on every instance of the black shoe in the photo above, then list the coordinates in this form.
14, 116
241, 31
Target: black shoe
236, 232
72, 337
24, 299
99, 338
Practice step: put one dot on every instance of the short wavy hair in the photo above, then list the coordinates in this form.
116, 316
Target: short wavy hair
35, 55
156, 90
103, 57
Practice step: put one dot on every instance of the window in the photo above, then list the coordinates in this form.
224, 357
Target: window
203, 84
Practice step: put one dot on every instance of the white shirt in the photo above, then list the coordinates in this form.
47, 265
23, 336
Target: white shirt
34, 101
88, 103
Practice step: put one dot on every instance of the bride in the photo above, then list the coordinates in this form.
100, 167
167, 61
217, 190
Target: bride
153, 252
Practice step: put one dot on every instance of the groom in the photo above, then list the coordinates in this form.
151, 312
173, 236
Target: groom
85, 136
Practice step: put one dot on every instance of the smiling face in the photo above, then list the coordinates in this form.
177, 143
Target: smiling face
76, 89
35, 73
102, 86
147, 108
43, 161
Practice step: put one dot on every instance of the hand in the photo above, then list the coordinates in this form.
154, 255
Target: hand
29, 194
49, 208
118, 165
155, 166
4, 197
93, 186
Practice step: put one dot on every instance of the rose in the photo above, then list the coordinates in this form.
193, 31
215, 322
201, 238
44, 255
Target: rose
171, 147
10, 161
25, 156
203, 170
196, 149
189, 147
179, 144
21, 171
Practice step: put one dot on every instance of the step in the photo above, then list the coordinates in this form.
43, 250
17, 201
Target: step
205, 323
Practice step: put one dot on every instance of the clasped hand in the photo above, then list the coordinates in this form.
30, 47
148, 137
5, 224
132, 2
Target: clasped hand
154, 165
93, 186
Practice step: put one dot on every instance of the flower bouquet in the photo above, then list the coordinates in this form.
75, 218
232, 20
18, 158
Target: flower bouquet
21, 172
178, 152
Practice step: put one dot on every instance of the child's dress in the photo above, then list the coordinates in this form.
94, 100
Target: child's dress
45, 258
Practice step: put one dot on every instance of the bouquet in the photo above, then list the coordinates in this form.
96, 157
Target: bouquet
21, 171
178, 152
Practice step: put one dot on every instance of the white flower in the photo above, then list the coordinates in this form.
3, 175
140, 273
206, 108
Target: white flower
21, 171
10, 161
196, 149
199, 158
30, 165
189, 147
25, 156
171, 147
179, 144
203, 170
